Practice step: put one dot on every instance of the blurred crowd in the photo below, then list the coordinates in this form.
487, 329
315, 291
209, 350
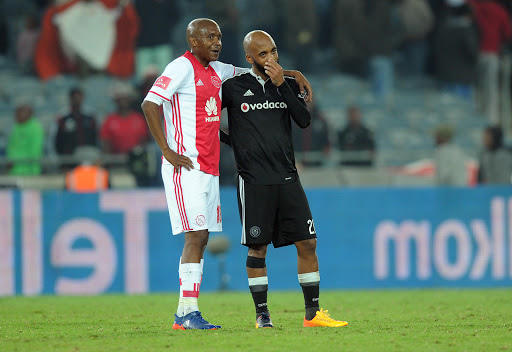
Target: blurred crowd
463, 44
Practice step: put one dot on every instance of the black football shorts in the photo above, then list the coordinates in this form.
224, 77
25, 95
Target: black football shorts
277, 214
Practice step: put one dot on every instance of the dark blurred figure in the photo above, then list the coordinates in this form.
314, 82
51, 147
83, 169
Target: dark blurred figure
449, 159
314, 138
495, 160
365, 38
144, 163
415, 20
77, 128
125, 128
26, 142
26, 45
456, 43
356, 141
266, 16
157, 20
300, 32
4, 38
227, 16
495, 31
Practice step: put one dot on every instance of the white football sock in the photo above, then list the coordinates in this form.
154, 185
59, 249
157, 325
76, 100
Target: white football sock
190, 275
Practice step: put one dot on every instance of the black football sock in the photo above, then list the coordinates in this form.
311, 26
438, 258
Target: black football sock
311, 294
310, 283
259, 296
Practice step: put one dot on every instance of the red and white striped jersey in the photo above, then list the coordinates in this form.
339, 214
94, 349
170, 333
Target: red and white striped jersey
191, 96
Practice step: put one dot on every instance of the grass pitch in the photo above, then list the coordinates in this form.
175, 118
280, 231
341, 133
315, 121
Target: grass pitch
416, 320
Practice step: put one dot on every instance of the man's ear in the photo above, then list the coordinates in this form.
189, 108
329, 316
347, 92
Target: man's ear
249, 59
193, 42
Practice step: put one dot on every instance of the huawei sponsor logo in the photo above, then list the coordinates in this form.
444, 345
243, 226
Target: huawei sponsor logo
211, 110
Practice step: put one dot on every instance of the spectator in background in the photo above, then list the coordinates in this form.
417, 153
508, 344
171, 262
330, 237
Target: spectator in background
449, 159
495, 160
157, 20
26, 44
456, 43
495, 30
355, 141
415, 20
267, 16
26, 142
4, 39
89, 176
314, 138
227, 15
77, 128
363, 34
125, 128
144, 162
300, 32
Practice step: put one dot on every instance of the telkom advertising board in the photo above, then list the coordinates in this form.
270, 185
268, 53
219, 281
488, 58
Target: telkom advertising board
120, 241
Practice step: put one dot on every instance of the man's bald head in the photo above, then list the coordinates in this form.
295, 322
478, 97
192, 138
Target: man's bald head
195, 27
256, 38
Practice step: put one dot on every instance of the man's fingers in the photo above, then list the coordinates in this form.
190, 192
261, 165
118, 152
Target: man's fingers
187, 163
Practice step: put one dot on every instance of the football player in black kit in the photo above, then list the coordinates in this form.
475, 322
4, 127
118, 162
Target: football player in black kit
272, 203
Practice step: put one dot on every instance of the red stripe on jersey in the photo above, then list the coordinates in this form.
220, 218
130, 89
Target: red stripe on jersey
178, 112
161, 96
178, 137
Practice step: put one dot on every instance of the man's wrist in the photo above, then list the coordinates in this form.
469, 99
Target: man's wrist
290, 73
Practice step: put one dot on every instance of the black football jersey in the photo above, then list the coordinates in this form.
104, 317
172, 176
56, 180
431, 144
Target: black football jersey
260, 133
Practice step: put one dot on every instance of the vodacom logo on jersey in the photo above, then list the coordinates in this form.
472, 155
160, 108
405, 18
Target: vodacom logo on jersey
211, 109
266, 105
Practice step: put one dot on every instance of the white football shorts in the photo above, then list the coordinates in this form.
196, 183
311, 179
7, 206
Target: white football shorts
193, 199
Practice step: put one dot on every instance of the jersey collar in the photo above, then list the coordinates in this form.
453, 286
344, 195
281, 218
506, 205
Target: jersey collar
193, 59
258, 78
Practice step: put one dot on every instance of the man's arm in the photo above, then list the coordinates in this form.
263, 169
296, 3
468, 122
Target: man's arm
152, 113
305, 87
298, 109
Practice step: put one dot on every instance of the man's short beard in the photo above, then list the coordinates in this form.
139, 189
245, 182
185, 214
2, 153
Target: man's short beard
260, 68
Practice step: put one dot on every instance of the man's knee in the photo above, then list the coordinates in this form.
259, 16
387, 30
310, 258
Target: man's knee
258, 250
197, 239
306, 246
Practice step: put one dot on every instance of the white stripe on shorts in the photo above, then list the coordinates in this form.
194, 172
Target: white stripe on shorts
242, 202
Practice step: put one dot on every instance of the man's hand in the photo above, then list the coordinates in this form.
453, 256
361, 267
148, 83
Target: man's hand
275, 72
177, 160
305, 87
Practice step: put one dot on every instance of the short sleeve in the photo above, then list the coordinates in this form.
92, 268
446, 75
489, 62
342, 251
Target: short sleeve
225, 71
169, 82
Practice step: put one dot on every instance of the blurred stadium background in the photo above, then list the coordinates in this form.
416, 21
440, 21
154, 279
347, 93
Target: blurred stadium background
380, 209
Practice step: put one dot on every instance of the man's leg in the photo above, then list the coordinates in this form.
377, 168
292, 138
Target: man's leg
258, 283
309, 279
309, 276
191, 271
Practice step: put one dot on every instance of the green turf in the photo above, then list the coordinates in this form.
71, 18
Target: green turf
416, 320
